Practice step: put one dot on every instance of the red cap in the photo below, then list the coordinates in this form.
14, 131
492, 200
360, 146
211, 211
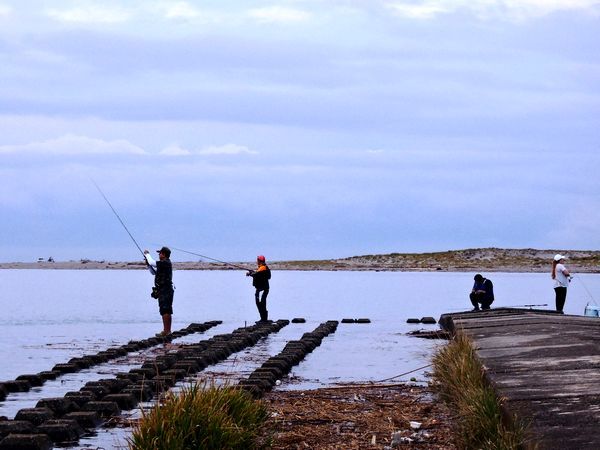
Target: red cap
260, 258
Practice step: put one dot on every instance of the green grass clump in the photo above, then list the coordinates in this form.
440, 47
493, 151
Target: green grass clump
201, 417
458, 377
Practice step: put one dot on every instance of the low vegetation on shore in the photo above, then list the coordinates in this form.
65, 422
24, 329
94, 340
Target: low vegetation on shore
458, 377
468, 260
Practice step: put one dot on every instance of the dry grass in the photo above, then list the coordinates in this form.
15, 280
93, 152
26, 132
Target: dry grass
459, 378
201, 417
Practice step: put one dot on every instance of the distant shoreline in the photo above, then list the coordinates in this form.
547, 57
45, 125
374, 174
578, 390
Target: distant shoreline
469, 260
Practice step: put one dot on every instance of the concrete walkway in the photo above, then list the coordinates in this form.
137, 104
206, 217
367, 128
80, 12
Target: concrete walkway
547, 367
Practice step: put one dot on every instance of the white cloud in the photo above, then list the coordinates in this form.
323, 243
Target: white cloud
274, 14
227, 149
175, 150
74, 145
504, 9
181, 10
90, 14
5, 10
425, 10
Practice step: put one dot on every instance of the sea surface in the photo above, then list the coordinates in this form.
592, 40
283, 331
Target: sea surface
50, 316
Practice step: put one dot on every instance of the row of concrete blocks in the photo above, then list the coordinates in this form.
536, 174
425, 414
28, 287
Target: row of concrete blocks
362, 320
265, 377
24, 383
63, 420
426, 320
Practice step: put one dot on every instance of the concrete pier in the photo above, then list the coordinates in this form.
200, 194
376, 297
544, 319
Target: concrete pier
546, 365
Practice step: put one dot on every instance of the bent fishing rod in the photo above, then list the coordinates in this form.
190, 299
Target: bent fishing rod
212, 259
118, 217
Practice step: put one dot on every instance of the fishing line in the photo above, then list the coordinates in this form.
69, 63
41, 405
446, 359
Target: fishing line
405, 373
585, 287
212, 259
118, 217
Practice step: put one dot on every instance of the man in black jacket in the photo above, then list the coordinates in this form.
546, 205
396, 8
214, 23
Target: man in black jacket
163, 285
260, 280
482, 293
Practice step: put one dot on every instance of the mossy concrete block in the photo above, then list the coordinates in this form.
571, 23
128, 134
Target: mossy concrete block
26, 442
36, 416
81, 397
34, 379
85, 419
16, 427
66, 368
48, 375
17, 385
142, 393
58, 405
104, 409
124, 400
61, 430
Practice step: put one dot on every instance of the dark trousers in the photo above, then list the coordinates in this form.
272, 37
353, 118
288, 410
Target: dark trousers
561, 296
476, 299
261, 303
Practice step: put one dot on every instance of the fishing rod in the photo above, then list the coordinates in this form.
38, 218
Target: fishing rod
212, 259
118, 217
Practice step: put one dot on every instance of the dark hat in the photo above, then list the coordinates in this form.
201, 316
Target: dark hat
478, 277
165, 250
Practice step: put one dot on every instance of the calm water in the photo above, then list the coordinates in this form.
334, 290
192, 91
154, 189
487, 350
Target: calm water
50, 316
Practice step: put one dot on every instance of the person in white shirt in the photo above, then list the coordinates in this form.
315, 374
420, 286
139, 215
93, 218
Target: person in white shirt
561, 277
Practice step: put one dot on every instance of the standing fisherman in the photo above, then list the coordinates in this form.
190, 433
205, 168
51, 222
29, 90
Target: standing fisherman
163, 285
260, 280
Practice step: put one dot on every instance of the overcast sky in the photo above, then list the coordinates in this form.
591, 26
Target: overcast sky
298, 129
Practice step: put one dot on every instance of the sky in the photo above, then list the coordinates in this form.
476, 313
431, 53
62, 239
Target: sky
299, 129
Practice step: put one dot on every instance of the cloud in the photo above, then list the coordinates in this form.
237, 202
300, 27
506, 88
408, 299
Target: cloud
175, 150
425, 10
513, 10
5, 10
227, 149
90, 14
181, 11
278, 14
74, 145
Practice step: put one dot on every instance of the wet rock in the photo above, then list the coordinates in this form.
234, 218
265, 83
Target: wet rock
16, 427
48, 375
58, 405
142, 393
104, 409
61, 430
99, 391
36, 416
347, 320
298, 320
34, 379
145, 372
3, 391
26, 442
81, 397
413, 320
17, 385
66, 368
124, 400
428, 320
85, 419
363, 320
